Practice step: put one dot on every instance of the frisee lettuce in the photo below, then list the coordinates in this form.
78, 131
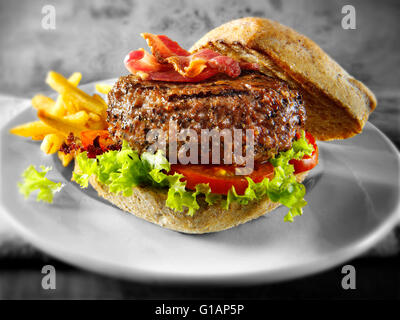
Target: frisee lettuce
123, 170
34, 180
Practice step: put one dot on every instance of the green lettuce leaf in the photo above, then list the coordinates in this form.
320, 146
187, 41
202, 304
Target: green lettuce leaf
34, 180
88, 167
123, 170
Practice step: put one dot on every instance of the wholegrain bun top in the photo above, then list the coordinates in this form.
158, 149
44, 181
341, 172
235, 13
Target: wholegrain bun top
337, 105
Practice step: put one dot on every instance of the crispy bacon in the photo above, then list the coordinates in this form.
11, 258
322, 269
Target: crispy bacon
188, 66
169, 62
226, 65
163, 47
249, 66
191, 66
141, 60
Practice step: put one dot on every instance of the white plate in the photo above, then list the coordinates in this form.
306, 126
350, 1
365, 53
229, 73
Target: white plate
353, 201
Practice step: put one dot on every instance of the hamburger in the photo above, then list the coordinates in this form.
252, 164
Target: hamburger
250, 74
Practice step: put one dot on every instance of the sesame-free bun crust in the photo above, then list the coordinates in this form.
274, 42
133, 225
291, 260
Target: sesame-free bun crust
148, 203
337, 104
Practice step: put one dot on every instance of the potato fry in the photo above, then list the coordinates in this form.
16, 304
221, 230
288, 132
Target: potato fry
59, 108
75, 78
33, 129
52, 143
103, 103
97, 125
40, 101
77, 96
38, 138
68, 104
65, 158
100, 99
94, 117
65, 126
103, 88
79, 118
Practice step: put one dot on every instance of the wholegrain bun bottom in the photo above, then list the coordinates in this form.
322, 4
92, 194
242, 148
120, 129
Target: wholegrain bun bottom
148, 203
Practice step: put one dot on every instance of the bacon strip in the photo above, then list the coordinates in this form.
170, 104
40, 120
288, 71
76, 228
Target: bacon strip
193, 65
226, 65
141, 60
169, 62
188, 67
163, 47
249, 66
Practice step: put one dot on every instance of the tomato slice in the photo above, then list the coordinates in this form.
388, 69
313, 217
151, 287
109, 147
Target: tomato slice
221, 178
308, 162
88, 138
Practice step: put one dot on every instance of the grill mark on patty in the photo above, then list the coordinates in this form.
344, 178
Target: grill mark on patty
208, 94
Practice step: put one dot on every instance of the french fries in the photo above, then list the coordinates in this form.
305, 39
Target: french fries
79, 119
100, 100
94, 125
64, 124
52, 143
65, 158
57, 82
41, 102
33, 129
38, 138
73, 111
94, 117
59, 108
103, 88
103, 103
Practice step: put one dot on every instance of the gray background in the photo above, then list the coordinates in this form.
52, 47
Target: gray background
94, 36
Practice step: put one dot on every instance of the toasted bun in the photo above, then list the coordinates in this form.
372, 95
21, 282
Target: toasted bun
337, 105
148, 203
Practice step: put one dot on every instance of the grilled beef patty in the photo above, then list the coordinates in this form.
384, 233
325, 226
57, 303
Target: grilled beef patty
251, 101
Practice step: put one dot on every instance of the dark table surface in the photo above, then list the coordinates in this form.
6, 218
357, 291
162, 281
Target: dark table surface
376, 278
92, 37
